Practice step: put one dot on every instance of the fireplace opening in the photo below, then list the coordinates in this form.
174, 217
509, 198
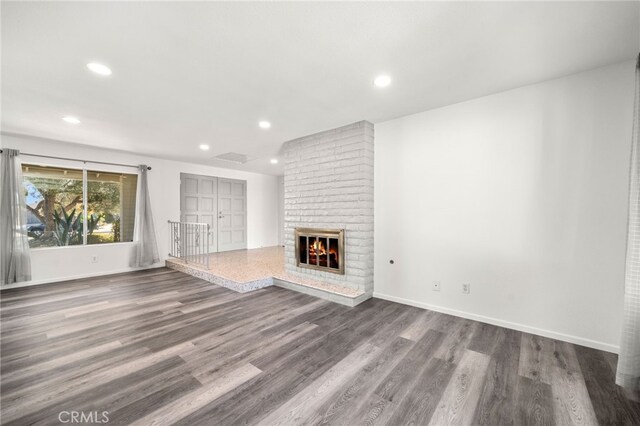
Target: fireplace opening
321, 249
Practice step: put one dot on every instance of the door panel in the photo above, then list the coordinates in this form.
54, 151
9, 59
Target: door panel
191, 204
237, 188
193, 218
224, 187
220, 203
237, 221
198, 203
208, 187
225, 237
232, 214
206, 205
191, 185
238, 205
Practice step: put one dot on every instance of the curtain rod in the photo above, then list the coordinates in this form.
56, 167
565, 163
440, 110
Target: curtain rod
84, 161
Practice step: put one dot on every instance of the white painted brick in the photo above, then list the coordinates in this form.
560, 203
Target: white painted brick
329, 184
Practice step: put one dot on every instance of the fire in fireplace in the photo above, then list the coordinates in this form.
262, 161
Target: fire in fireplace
321, 249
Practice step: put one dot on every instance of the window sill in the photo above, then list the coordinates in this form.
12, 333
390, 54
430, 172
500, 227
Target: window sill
81, 245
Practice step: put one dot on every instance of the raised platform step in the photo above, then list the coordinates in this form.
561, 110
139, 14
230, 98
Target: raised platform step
334, 293
342, 295
215, 278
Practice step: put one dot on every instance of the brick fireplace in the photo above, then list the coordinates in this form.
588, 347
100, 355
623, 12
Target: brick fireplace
328, 200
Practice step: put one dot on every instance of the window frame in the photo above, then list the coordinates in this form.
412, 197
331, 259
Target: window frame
85, 201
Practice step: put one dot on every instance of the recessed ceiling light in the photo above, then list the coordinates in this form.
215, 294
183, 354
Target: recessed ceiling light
264, 124
274, 161
99, 68
382, 81
71, 120
204, 147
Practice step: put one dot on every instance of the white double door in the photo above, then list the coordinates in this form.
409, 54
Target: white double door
220, 203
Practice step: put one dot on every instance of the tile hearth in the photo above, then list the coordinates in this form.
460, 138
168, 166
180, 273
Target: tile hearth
248, 270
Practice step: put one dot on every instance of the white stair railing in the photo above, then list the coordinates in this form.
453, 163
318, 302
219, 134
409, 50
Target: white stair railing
189, 242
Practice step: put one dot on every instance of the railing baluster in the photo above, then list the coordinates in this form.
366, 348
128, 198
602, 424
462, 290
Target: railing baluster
189, 242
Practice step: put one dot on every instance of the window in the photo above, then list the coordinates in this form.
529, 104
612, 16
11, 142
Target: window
57, 212
111, 204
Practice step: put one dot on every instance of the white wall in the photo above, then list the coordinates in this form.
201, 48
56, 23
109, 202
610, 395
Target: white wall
523, 194
164, 186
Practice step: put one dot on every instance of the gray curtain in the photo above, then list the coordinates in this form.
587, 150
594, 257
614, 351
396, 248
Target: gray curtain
145, 252
628, 372
15, 259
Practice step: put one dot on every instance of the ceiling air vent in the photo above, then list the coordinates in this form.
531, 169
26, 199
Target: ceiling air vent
234, 157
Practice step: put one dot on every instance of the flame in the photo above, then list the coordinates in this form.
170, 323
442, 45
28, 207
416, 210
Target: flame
318, 248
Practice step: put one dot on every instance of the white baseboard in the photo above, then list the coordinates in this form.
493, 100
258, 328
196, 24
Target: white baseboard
76, 277
506, 324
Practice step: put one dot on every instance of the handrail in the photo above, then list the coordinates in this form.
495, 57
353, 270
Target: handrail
189, 241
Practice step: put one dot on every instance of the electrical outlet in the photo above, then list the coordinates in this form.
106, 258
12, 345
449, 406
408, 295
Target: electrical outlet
436, 286
466, 288
94, 259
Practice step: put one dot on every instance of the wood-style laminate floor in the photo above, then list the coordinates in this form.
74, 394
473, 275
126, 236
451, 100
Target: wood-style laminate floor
162, 347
